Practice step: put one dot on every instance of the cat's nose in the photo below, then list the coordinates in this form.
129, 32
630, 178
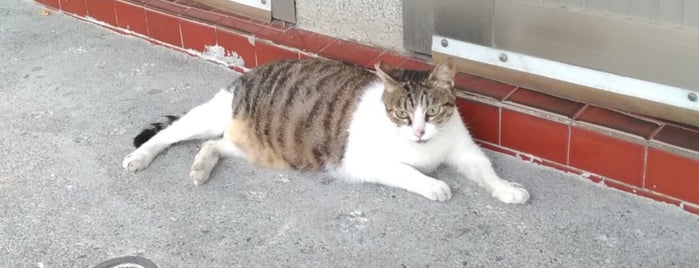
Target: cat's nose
419, 132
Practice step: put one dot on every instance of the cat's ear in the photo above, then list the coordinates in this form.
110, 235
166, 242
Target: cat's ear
384, 71
443, 73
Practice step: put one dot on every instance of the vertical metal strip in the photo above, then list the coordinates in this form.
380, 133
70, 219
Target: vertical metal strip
418, 25
284, 10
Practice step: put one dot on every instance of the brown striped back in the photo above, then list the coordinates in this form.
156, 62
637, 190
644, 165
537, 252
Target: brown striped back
295, 113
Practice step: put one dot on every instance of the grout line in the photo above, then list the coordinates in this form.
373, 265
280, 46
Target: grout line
570, 136
179, 25
87, 10
655, 132
580, 111
145, 18
499, 125
375, 59
645, 166
326, 46
116, 16
516, 88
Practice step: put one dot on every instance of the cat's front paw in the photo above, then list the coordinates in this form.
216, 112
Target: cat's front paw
438, 191
511, 193
136, 161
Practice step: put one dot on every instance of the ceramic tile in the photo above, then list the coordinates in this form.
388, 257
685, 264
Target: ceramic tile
545, 102
77, 7
304, 40
482, 120
673, 175
237, 44
347, 51
608, 156
541, 137
618, 121
196, 35
268, 53
678, 136
131, 17
163, 27
102, 11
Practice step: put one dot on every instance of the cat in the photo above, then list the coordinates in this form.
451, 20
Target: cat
389, 127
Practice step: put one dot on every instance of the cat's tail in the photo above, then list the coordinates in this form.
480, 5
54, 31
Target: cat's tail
152, 129
206, 121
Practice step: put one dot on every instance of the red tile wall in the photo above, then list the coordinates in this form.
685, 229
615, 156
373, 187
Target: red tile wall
307, 41
131, 17
196, 35
102, 11
672, 174
391, 58
482, 120
164, 28
534, 135
268, 53
490, 88
169, 7
607, 156
618, 121
351, 52
239, 44
76, 7
545, 102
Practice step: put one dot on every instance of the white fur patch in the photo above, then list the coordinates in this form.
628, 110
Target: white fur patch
379, 151
205, 121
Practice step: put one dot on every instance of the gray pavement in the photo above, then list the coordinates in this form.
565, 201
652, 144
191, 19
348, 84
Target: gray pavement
72, 95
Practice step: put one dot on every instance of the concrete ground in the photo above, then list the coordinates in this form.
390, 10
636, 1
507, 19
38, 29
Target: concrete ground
73, 94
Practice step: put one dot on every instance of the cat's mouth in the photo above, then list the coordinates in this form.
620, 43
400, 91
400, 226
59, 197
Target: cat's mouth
421, 141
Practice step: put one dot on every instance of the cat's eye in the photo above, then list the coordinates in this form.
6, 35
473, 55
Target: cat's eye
402, 114
433, 111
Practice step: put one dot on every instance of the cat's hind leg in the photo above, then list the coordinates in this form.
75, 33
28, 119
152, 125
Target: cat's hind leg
205, 161
205, 121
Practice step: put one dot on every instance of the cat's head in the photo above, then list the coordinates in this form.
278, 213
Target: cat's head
418, 102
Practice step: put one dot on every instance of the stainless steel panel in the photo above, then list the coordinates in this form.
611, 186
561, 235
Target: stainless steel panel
573, 3
690, 18
418, 26
599, 5
664, 12
644, 51
618, 7
670, 12
466, 20
284, 10
553, 2
644, 10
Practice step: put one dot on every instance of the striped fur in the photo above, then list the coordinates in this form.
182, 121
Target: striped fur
296, 113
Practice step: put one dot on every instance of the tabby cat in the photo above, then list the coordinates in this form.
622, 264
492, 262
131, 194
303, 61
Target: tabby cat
389, 127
